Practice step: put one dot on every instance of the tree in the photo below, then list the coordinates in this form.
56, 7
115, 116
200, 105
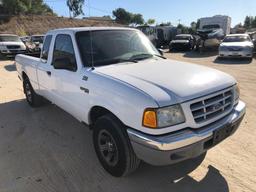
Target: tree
75, 7
151, 21
198, 24
183, 29
137, 19
247, 22
16, 7
122, 16
166, 24
253, 22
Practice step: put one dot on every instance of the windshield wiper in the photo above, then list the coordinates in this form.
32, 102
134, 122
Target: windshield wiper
143, 56
114, 61
124, 60
134, 59
160, 56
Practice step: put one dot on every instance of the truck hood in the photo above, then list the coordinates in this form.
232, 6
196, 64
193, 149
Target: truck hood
237, 44
180, 41
169, 81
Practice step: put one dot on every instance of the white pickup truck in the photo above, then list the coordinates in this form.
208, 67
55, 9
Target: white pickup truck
139, 105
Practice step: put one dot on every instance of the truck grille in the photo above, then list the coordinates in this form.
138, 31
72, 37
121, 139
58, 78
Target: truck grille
235, 48
13, 46
212, 107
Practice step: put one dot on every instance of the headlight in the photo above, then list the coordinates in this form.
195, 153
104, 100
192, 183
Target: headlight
2, 47
236, 93
163, 117
249, 48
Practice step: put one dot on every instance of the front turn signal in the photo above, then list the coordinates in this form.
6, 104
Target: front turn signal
149, 118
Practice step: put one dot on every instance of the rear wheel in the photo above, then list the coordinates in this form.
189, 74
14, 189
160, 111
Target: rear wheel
113, 147
32, 98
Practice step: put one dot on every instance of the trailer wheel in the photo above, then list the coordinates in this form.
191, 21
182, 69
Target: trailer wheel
113, 147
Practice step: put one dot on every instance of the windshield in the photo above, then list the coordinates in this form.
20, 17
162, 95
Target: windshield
9, 38
39, 39
113, 46
182, 38
237, 39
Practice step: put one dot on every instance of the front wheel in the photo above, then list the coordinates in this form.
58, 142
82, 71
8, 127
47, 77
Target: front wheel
32, 98
113, 147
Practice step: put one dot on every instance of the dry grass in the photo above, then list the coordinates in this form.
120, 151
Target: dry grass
28, 25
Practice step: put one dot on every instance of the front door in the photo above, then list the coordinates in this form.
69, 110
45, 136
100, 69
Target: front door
68, 79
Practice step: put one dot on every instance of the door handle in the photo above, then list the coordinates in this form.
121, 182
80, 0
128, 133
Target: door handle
49, 73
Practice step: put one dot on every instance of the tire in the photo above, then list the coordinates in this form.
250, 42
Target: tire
32, 98
113, 147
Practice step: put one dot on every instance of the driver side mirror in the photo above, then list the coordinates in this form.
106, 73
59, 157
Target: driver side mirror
64, 63
161, 51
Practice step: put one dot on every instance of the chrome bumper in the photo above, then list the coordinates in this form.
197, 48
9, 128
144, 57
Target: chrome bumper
180, 139
243, 53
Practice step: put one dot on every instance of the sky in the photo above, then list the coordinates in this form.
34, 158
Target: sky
175, 11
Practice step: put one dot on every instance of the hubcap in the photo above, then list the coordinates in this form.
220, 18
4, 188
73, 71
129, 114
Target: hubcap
108, 148
28, 92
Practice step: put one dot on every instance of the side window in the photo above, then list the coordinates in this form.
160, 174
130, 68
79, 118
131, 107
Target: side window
64, 54
46, 47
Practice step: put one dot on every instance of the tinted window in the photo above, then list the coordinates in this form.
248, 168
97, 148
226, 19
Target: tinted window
182, 37
64, 50
236, 39
211, 27
39, 39
46, 47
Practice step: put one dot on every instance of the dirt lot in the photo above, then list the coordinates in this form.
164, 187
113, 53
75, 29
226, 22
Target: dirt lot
46, 149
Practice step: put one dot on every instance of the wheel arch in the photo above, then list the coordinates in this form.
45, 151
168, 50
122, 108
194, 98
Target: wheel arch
97, 112
24, 75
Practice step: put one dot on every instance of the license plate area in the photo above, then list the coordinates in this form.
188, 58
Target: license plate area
222, 133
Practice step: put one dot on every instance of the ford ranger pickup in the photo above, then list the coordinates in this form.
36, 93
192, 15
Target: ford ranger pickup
139, 105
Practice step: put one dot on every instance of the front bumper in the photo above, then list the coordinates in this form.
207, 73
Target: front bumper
180, 46
184, 144
236, 54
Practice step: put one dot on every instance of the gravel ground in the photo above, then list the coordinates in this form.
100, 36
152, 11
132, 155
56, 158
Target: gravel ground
46, 149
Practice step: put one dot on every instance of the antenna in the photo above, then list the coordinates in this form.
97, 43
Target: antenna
91, 38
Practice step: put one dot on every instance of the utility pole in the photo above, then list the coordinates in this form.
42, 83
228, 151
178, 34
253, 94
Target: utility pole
179, 20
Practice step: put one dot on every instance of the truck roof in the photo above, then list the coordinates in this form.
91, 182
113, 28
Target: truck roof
77, 29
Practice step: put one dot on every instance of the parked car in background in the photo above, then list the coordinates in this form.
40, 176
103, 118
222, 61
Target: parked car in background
112, 83
150, 32
237, 45
11, 45
165, 34
24, 39
253, 37
183, 42
34, 44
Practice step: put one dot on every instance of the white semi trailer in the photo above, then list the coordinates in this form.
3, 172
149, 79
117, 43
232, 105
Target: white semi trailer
213, 29
218, 21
